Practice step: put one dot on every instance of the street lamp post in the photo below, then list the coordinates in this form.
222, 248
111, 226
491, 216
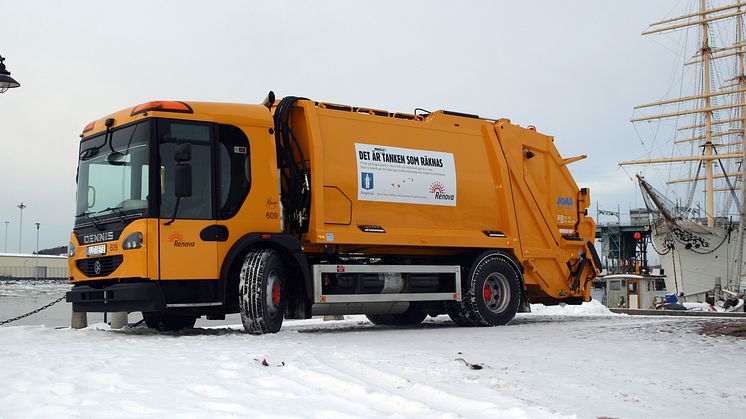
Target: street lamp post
36, 270
20, 206
6, 82
6, 236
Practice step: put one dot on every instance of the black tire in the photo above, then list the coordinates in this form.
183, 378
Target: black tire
457, 312
262, 297
409, 317
378, 319
491, 295
168, 322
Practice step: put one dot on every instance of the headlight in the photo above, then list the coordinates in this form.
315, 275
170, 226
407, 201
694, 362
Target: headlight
70, 250
133, 241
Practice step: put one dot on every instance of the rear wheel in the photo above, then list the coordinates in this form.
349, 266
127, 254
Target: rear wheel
262, 292
491, 296
168, 322
457, 312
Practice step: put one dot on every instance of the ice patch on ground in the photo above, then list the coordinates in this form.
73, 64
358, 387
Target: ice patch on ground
590, 308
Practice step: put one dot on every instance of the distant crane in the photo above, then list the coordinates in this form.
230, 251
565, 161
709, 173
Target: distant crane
616, 214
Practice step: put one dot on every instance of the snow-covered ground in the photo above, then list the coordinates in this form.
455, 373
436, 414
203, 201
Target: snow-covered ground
555, 362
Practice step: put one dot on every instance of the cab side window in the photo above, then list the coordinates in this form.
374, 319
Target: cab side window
234, 157
199, 135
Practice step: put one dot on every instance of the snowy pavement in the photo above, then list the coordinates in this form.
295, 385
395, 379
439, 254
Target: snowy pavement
555, 362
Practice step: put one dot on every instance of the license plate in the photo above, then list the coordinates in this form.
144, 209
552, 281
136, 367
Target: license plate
97, 250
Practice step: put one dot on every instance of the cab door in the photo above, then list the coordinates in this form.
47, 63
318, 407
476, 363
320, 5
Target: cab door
187, 246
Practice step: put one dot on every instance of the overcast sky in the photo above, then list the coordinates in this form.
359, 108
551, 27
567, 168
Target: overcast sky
574, 69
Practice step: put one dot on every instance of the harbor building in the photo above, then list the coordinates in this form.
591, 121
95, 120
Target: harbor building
25, 266
627, 280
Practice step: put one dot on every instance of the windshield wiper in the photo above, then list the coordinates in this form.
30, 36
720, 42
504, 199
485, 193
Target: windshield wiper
116, 211
95, 221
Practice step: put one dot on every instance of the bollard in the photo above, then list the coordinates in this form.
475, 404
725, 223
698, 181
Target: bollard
333, 317
118, 319
79, 320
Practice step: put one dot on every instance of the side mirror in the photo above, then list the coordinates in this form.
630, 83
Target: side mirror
183, 181
114, 159
183, 152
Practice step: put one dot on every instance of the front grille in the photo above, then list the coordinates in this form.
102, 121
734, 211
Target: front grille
106, 265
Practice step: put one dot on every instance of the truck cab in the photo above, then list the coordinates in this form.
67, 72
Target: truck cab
160, 188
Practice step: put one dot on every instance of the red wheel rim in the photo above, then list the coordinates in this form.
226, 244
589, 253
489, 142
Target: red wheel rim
487, 293
276, 294
496, 293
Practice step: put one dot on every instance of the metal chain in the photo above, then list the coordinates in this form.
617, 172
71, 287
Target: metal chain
32, 312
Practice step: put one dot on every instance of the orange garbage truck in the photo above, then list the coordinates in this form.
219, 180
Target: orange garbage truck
295, 208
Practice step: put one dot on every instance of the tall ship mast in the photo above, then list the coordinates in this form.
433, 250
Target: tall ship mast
703, 131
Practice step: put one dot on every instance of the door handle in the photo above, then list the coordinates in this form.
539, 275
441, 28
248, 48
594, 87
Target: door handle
214, 233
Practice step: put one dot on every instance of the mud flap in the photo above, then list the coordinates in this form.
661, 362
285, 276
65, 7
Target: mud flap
524, 306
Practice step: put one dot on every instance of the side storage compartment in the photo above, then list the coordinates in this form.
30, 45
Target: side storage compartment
381, 289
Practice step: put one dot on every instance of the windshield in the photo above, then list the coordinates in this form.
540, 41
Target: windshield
113, 174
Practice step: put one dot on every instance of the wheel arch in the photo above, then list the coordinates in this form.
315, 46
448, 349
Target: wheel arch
299, 289
478, 258
475, 259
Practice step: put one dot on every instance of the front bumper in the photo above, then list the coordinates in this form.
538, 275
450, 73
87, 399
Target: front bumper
147, 295
141, 296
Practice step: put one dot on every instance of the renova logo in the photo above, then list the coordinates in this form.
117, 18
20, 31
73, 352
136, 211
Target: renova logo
564, 201
178, 240
439, 190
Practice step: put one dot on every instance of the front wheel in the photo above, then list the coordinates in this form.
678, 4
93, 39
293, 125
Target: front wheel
262, 292
491, 296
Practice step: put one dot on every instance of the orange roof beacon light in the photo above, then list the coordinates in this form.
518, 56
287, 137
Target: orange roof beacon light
6, 82
162, 106
89, 127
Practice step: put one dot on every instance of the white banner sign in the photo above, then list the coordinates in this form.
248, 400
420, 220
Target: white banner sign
403, 175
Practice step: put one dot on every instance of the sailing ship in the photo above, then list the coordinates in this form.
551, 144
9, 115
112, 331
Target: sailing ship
700, 247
